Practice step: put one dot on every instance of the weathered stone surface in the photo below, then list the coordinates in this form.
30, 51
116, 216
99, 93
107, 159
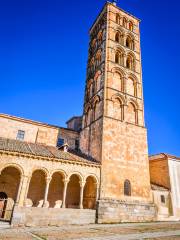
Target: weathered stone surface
51, 217
113, 211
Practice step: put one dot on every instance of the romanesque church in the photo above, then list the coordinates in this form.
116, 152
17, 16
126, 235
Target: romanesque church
97, 170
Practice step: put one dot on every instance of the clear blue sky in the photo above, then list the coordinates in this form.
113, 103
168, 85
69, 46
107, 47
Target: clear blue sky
43, 55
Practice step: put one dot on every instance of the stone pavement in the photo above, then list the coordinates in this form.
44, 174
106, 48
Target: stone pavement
151, 231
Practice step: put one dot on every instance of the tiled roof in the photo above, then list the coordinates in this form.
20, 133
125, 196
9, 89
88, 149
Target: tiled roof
158, 188
39, 150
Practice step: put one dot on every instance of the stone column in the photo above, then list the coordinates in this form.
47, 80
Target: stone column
19, 190
22, 193
82, 184
27, 189
97, 191
48, 180
66, 181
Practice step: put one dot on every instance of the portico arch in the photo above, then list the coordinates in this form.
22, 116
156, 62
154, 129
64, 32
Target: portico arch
56, 188
9, 181
9, 190
37, 187
73, 191
90, 193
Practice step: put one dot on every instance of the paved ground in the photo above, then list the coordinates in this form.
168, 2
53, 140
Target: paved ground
151, 231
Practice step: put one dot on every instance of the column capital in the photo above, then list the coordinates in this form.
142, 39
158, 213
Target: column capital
48, 179
82, 183
66, 181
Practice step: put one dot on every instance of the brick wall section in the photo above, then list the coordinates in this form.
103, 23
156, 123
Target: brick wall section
159, 172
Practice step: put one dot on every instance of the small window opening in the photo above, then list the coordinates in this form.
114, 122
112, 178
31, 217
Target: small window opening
20, 135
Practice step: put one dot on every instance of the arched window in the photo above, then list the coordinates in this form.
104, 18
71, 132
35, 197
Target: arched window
118, 109
132, 116
88, 117
130, 43
118, 18
131, 87
98, 58
117, 37
96, 110
130, 62
119, 57
100, 36
131, 26
124, 22
117, 82
127, 188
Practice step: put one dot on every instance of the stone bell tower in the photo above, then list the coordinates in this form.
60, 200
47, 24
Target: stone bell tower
113, 130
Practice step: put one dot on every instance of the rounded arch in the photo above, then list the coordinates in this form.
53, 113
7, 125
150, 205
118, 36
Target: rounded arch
119, 70
130, 61
131, 86
90, 193
132, 112
73, 190
95, 100
37, 187
43, 169
131, 75
124, 22
131, 26
120, 97
119, 56
136, 105
78, 174
129, 42
56, 188
88, 107
97, 80
14, 165
118, 107
118, 18
10, 180
93, 176
60, 171
118, 80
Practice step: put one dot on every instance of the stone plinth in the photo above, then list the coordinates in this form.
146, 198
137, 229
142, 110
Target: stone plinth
32, 216
116, 211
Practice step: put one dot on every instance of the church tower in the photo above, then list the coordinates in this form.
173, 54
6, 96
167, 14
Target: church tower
113, 130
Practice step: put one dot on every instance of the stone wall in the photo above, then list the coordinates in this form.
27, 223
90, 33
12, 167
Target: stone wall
35, 132
159, 172
124, 157
112, 211
51, 217
69, 136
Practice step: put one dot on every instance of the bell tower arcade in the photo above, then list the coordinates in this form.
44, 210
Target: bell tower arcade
113, 130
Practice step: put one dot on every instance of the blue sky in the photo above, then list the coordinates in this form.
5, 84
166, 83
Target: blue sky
43, 55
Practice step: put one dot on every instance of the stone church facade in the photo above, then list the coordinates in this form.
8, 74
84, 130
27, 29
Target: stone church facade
96, 169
